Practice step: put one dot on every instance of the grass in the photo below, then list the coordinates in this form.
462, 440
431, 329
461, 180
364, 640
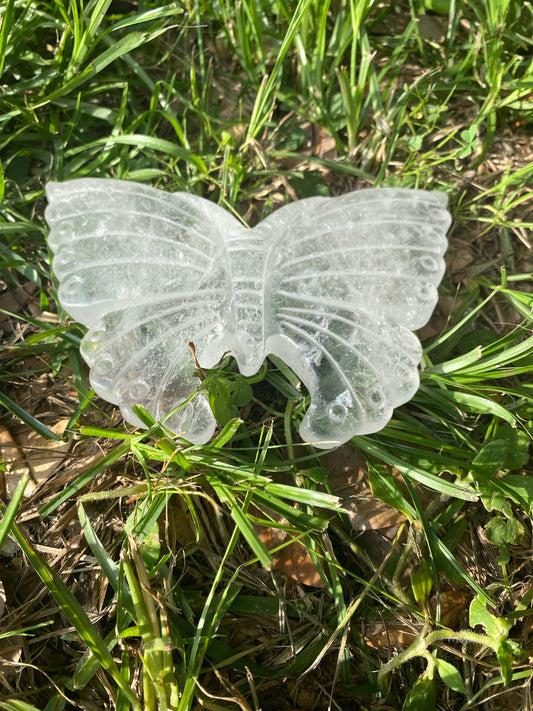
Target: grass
151, 574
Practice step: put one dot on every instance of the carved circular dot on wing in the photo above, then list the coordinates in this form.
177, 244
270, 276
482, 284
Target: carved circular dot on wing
402, 371
103, 365
97, 336
73, 286
337, 413
64, 257
428, 263
426, 291
138, 391
375, 398
64, 227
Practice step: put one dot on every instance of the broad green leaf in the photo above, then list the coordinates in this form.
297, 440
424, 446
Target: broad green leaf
502, 532
387, 489
519, 443
450, 675
241, 391
519, 489
490, 460
494, 498
486, 466
495, 627
505, 658
421, 583
219, 395
422, 695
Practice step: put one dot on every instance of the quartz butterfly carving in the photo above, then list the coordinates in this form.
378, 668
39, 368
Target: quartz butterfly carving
332, 286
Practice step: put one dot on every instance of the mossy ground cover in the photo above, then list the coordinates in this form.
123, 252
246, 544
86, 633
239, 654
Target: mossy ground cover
255, 572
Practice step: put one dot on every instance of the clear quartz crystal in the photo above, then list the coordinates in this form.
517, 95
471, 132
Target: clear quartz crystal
332, 286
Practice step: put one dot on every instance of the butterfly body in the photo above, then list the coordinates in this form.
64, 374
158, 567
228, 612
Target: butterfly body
332, 286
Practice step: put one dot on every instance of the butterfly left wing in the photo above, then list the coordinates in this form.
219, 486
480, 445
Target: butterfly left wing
147, 272
348, 279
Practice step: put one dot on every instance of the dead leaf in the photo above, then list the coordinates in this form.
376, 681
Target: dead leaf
324, 145
10, 654
26, 452
292, 560
387, 635
459, 260
348, 478
10, 647
432, 28
16, 300
452, 604
375, 522
391, 635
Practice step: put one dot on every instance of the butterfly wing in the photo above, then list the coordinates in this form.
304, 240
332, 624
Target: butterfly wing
147, 272
345, 281
349, 278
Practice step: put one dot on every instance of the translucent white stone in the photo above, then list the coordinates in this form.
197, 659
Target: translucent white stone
332, 286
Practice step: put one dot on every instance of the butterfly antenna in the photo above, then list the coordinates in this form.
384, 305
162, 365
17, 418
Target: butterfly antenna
199, 370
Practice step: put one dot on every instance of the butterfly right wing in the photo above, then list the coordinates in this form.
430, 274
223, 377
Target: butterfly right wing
349, 279
147, 272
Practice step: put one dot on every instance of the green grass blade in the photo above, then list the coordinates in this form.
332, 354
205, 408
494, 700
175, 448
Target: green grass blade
106, 563
266, 91
414, 472
151, 142
7, 23
474, 403
32, 422
305, 496
89, 665
9, 513
244, 525
90, 31
116, 51
17, 705
85, 478
76, 615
